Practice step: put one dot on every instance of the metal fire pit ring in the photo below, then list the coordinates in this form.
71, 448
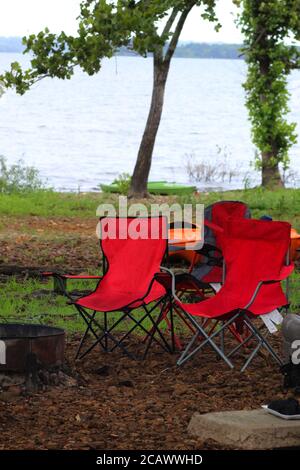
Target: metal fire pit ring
23, 346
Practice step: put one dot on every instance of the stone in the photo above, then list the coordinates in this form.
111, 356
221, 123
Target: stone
255, 429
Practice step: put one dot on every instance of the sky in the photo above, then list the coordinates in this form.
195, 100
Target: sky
23, 17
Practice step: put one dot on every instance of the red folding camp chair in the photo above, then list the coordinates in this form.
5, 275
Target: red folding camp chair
255, 256
133, 249
206, 268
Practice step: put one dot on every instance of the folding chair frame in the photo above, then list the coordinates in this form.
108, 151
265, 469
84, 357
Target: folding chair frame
105, 330
167, 314
244, 314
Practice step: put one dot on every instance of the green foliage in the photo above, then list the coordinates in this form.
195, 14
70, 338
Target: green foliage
123, 182
103, 27
18, 178
266, 26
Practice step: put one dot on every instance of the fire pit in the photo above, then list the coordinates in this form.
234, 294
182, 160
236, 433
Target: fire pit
27, 348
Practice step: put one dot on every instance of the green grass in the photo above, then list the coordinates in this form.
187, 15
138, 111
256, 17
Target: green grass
50, 204
283, 204
20, 303
294, 292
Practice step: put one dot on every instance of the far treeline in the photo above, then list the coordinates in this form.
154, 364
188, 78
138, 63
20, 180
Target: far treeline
191, 50
195, 50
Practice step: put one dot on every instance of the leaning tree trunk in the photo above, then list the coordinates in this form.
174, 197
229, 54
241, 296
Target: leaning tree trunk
161, 63
141, 172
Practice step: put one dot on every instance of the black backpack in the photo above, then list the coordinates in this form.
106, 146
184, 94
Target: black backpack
291, 376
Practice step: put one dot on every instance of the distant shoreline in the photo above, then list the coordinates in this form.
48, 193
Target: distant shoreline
184, 50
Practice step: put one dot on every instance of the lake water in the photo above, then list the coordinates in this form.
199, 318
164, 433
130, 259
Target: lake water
86, 131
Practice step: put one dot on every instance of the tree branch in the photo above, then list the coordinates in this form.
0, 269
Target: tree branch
257, 39
159, 50
48, 75
174, 41
170, 22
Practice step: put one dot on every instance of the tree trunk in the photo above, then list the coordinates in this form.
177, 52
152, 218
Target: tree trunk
141, 172
270, 174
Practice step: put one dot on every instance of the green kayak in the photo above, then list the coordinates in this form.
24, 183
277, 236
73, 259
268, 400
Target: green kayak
156, 187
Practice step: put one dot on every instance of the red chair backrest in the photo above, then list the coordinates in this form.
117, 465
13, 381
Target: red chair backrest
219, 213
134, 249
255, 250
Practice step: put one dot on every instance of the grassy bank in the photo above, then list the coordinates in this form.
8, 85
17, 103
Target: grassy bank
282, 204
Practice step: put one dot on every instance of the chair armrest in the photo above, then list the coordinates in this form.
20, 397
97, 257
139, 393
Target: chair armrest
157, 277
62, 279
173, 281
284, 273
69, 276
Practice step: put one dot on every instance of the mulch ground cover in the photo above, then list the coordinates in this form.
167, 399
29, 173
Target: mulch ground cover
64, 244
119, 403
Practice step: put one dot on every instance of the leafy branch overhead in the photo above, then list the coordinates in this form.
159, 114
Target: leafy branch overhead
268, 26
103, 27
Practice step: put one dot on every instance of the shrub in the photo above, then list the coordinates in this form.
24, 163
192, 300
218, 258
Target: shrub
216, 171
18, 178
122, 182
